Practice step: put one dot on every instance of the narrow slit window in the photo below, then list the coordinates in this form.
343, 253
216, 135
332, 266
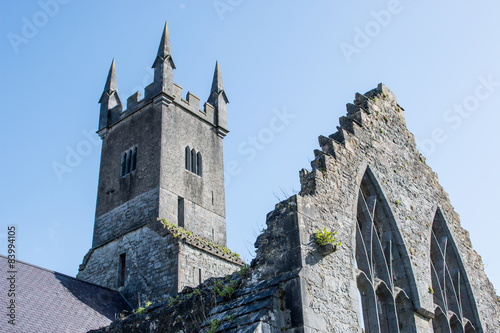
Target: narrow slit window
199, 276
180, 212
122, 270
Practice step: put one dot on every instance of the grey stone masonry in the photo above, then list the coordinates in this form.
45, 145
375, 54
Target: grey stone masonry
405, 264
370, 184
151, 265
162, 158
160, 132
127, 217
160, 261
159, 128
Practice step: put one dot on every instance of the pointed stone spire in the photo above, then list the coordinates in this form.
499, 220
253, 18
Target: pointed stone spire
164, 50
217, 84
111, 84
109, 99
219, 101
164, 68
217, 88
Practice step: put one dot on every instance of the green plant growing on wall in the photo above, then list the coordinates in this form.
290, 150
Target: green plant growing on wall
140, 310
243, 270
225, 290
324, 237
177, 231
192, 294
172, 301
214, 325
323, 171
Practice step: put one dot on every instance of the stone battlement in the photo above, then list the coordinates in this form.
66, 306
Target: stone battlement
191, 104
214, 111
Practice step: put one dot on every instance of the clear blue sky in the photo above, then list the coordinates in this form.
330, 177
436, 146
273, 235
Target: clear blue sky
306, 58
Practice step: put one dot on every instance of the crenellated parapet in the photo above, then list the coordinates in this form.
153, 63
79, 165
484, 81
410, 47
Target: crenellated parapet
213, 112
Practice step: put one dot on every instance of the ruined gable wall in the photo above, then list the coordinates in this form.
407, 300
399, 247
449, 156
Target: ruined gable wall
376, 137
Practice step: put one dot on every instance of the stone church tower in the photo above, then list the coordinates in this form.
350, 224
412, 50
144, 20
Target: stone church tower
162, 158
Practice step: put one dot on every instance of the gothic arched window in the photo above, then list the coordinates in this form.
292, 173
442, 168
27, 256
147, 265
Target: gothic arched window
128, 162
452, 294
198, 164
124, 165
187, 158
384, 276
193, 161
129, 157
134, 159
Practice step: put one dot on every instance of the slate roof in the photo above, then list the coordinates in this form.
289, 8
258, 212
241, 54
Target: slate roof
48, 302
